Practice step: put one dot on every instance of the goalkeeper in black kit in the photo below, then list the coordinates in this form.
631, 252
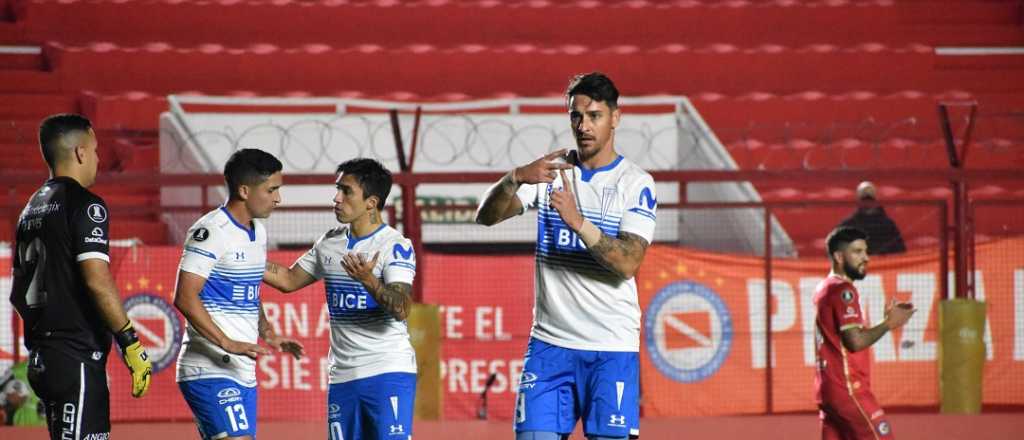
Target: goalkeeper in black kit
64, 291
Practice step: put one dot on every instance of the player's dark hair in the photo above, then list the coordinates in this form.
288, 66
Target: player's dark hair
52, 131
595, 85
373, 178
249, 166
841, 237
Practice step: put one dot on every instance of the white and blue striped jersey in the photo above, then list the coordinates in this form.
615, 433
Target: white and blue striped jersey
580, 304
365, 339
232, 258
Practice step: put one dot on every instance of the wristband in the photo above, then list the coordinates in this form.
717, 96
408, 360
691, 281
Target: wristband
589, 233
126, 336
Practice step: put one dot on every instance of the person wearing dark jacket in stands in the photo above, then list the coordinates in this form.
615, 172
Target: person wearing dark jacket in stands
883, 235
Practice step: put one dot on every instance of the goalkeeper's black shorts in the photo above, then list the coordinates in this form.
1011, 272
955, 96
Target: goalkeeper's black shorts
74, 391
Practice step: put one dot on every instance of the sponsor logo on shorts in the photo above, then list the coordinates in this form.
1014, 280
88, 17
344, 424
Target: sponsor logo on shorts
688, 330
97, 436
158, 326
527, 381
617, 420
228, 392
333, 409
883, 428
396, 429
228, 395
97, 355
67, 421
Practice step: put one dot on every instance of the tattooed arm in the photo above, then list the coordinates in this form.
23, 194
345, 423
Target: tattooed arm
286, 280
621, 255
395, 298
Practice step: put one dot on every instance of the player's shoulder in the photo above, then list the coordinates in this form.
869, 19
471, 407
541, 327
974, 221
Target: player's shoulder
76, 195
210, 225
216, 218
395, 244
391, 235
333, 237
630, 173
834, 285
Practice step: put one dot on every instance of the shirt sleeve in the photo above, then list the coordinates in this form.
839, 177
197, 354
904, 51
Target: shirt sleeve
310, 261
399, 262
527, 194
90, 225
203, 248
641, 208
845, 303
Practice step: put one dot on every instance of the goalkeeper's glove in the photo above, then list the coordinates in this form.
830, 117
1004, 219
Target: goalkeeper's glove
135, 358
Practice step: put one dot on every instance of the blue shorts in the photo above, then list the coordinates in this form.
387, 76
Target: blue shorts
375, 408
560, 386
222, 408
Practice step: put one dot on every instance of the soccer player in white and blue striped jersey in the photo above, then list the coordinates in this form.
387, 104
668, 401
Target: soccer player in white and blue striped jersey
368, 269
596, 218
218, 292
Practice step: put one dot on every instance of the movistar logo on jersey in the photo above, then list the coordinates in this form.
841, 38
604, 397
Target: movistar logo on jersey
401, 252
646, 203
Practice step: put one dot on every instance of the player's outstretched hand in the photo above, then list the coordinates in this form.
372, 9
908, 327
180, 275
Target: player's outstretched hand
564, 201
360, 269
244, 348
897, 314
287, 345
543, 170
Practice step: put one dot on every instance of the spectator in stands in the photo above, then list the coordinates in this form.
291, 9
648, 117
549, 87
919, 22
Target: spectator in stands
883, 235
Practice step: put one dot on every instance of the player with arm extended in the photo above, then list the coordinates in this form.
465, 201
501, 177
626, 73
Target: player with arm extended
594, 225
218, 292
842, 378
64, 291
368, 269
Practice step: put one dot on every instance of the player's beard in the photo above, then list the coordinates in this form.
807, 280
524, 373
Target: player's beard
853, 272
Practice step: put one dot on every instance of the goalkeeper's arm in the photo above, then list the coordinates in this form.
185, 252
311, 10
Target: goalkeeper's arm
100, 283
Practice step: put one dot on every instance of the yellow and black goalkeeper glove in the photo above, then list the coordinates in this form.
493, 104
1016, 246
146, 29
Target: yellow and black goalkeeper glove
135, 358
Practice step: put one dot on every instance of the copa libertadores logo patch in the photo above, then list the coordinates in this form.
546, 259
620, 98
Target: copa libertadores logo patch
158, 327
688, 330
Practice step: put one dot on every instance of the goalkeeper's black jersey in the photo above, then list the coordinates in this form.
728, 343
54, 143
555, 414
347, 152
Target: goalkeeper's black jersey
62, 225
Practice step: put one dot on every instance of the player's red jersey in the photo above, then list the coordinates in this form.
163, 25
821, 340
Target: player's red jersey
838, 370
842, 381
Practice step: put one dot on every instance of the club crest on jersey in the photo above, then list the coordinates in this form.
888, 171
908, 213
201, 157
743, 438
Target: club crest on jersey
201, 234
158, 326
847, 296
688, 330
97, 213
